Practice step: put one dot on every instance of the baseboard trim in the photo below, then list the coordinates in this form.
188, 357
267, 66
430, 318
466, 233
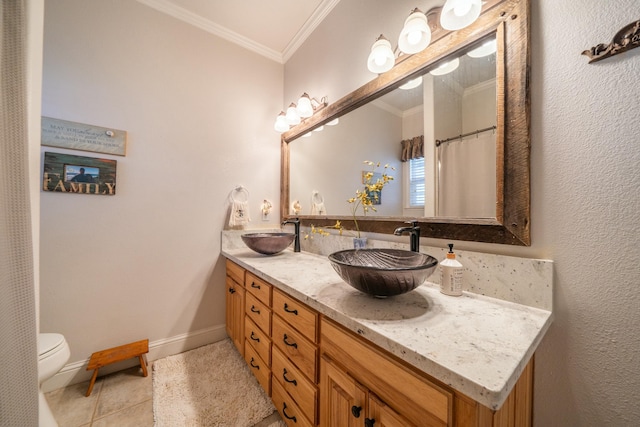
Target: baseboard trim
76, 372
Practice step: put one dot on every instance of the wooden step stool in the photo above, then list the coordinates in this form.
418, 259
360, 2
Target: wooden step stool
117, 354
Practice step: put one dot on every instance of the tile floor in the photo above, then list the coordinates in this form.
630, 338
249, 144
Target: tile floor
122, 399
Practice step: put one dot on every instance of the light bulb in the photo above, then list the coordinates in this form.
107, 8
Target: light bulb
462, 7
304, 108
292, 117
413, 37
457, 14
416, 34
281, 124
381, 58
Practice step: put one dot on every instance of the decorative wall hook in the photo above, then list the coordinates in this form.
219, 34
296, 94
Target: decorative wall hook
625, 39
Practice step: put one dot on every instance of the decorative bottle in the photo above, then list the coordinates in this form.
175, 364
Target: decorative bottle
451, 274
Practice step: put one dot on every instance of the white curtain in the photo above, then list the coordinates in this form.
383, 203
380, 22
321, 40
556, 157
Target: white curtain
467, 177
18, 352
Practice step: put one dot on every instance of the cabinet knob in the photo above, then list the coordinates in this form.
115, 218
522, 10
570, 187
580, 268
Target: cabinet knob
369, 422
232, 291
355, 410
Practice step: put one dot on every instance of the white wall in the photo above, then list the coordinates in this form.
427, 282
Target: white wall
199, 112
585, 190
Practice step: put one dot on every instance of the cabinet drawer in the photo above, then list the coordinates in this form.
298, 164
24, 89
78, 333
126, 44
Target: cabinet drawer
297, 385
259, 288
259, 340
235, 272
258, 367
301, 317
296, 347
258, 312
286, 406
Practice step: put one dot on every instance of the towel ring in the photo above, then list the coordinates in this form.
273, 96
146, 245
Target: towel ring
239, 191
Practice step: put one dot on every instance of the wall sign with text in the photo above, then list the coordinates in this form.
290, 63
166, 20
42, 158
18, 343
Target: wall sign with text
65, 173
78, 136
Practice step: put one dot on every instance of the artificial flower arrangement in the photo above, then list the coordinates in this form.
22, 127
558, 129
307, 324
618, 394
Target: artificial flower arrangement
366, 198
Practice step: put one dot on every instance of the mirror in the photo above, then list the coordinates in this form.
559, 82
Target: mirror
476, 139
449, 105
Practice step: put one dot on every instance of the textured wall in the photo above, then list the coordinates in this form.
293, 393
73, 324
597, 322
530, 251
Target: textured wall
585, 190
199, 113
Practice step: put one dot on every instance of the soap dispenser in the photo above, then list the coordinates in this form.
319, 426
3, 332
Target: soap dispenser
451, 274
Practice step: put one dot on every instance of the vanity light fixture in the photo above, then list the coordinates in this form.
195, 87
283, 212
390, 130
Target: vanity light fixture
281, 123
484, 50
305, 108
333, 122
445, 68
319, 129
457, 14
416, 34
381, 59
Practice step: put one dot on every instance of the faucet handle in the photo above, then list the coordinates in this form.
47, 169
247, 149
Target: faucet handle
413, 222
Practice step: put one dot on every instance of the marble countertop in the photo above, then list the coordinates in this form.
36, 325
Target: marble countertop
475, 344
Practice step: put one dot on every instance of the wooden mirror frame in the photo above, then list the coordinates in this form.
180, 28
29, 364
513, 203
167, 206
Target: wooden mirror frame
509, 20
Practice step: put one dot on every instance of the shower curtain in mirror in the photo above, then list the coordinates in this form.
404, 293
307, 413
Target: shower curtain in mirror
467, 177
18, 352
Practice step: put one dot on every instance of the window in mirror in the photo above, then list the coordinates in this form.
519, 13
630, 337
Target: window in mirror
416, 183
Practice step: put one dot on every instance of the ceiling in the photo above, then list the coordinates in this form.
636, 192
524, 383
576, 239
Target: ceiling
273, 28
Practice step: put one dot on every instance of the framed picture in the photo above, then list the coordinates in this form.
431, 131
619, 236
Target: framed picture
65, 173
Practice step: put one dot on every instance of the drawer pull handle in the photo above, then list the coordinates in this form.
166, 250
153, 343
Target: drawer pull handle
253, 285
284, 412
369, 422
355, 410
232, 291
286, 308
284, 375
254, 309
253, 365
254, 337
294, 345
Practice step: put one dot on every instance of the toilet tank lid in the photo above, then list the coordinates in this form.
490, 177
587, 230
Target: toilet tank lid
49, 341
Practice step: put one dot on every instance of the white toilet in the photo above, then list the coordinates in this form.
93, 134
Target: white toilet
53, 354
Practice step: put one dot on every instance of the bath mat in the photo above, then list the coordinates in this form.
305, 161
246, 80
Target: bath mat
209, 386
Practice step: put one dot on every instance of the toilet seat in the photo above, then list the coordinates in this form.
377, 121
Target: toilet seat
49, 344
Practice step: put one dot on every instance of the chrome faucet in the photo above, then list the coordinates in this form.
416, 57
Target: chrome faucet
414, 232
296, 227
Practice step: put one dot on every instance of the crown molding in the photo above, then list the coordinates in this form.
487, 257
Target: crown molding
309, 26
171, 9
184, 15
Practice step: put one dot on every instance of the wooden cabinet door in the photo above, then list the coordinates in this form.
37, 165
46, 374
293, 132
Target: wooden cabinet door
381, 415
342, 400
235, 313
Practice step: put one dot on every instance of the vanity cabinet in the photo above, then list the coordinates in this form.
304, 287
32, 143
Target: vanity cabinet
235, 296
318, 373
